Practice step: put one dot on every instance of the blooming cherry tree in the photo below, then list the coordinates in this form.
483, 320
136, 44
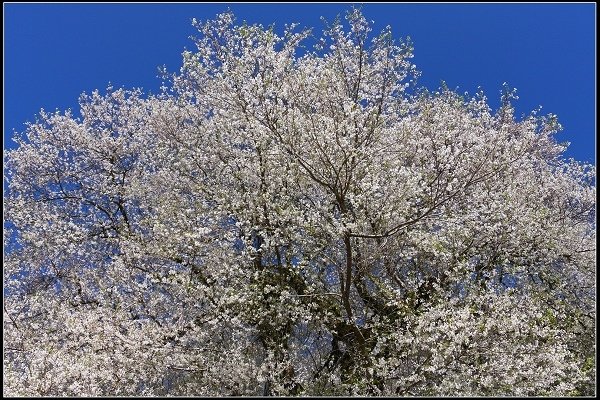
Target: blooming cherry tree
292, 220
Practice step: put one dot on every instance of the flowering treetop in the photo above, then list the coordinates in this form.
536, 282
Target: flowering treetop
283, 220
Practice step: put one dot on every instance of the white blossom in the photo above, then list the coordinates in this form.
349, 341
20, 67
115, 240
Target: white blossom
289, 221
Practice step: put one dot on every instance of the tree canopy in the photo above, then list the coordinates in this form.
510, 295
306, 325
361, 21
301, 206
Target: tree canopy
285, 219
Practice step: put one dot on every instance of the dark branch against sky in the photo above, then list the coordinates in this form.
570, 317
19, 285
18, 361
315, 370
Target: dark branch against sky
54, 52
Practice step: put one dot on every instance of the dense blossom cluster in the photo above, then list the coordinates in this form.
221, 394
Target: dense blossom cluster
292, 221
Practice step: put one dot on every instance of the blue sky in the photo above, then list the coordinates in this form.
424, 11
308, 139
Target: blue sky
53, 52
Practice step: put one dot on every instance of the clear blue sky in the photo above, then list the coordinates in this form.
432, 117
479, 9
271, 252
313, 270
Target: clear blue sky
53, 52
